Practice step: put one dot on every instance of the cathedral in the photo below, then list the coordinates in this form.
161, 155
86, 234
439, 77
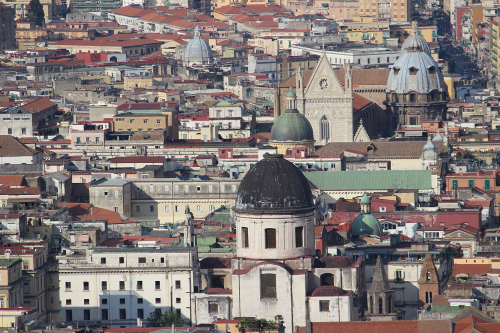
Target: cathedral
356, 105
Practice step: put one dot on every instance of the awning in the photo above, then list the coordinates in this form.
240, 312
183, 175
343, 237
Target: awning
84, 239
24, 200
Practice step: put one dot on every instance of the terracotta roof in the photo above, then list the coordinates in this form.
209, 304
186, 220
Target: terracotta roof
22, 190
38, 104
359, 102
334, 262
328, 291
12, 180
215, 263
470, 269
219, 291
117, 42
132, 11
257, 9
408, 326
104, 214
382, 149
75, 208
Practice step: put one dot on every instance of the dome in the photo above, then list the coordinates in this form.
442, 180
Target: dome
291, 93
198, 51
327, 291
366, 224
438, 137
429, 145
415, 71
365, 199
274, 186
415, 41
292, 126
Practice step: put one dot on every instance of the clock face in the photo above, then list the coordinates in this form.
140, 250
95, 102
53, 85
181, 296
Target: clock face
323, 83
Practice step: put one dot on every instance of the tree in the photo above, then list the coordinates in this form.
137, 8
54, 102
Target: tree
157, 319
35, 13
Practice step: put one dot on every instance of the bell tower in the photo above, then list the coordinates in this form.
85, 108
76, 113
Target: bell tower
380, 296
428, 283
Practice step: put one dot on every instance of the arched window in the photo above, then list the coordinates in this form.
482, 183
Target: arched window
249, 93
327, 279
371, 304
325, 129
380, 305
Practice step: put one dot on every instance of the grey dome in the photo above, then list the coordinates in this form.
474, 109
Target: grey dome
416, 41
274, 186
426, 75
438, 137
198, 51
292, 126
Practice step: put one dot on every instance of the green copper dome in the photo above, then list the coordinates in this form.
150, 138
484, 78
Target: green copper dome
366, 224
365, 199
292, 126
291, 93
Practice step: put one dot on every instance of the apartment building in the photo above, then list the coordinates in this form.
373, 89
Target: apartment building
11, 273
115, 287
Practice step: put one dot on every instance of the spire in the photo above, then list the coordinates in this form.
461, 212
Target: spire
380, 281
197, 32
415, 29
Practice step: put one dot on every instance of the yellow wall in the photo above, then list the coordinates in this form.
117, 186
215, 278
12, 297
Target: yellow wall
136, 122
428, 32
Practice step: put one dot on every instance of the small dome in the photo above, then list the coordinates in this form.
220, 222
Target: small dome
366, 224
416, 41
292, 126
415, 71
365, 199
198, 51
429, 145
291, 93
327, 291
274, 186
438, 137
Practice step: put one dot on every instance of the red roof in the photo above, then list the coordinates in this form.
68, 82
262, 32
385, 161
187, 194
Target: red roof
470, 269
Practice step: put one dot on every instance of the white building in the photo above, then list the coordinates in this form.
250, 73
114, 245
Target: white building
117, 286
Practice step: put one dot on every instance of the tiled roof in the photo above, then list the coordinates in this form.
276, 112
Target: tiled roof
408, 326
12, 180
117, 42
359, 102
75, 208
10, 146
327, 291
104, 214
22, 190
334, 262
470, 269
38, 104
215, 263
383, 149
132, 11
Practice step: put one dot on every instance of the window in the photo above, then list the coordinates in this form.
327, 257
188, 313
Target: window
157, 285
486, 184
68, 302
140, 313
123, 314
23, 130
26, 287
137, 209
85, 286
122, 300
268, 285
157, 300
198, 208
327, 279
176, 208
121, 260
103, 260
162, 260
145, 121
151, 209
167, 208
399, 276
131, 121
140, 301
104, 285
177, 284
104, 301
139, 285
9, 131
213, 307
471, 182
104, 314
86, 301
325, 129
244, 232
177, 300
324, 306
270, 238
122, 285
299, 236
68, 285
454, 183
142, 260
